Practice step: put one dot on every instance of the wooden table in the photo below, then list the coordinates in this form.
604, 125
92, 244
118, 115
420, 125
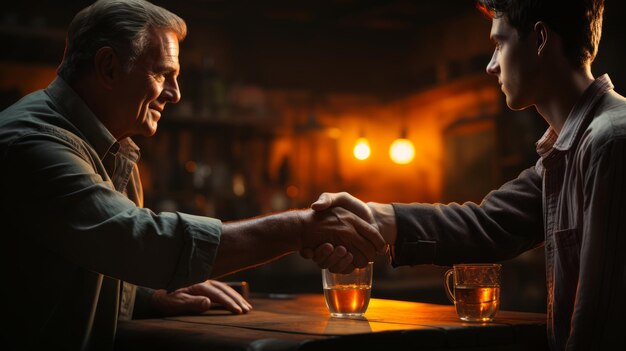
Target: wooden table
303, 323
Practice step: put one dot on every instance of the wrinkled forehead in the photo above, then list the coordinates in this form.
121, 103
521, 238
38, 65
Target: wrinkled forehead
163, 49
165, 42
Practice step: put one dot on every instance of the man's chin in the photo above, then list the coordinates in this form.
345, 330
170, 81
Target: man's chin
150, 130
516, 105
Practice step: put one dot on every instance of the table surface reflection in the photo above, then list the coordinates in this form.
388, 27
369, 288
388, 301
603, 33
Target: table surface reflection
303, 323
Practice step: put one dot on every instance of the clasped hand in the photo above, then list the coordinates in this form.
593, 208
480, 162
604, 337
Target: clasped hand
345, 236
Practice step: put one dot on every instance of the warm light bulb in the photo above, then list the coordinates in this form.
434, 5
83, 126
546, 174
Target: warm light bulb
239, 185
362, 149
402, 151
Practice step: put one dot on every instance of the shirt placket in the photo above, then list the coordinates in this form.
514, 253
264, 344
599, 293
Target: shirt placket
552, 184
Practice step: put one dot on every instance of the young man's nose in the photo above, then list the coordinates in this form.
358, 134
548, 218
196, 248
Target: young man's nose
493, 67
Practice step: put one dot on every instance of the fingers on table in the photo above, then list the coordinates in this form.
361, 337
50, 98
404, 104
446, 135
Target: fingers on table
226, 296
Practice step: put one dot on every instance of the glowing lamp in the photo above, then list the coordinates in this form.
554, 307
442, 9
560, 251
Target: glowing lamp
362, 149
402, 151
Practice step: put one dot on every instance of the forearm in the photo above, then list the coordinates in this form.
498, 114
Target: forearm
255, 241
506, 223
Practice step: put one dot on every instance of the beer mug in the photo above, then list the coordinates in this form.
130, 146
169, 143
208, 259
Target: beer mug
476, 294
347, 295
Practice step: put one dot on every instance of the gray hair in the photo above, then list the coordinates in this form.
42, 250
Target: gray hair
123, 25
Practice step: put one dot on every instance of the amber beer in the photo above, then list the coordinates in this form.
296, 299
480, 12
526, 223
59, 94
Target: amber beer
477, 303
347, 295
476, 293
347, 299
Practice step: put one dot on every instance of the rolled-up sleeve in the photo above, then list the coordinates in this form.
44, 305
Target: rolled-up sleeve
61, 202
202, 237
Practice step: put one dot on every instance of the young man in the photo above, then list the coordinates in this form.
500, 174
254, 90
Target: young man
572, 201
71, 215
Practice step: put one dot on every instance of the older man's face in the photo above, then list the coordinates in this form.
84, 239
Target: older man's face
150, 85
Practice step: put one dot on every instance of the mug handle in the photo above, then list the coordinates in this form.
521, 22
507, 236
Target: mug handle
446, 283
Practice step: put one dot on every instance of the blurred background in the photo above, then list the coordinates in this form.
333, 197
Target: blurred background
283, 100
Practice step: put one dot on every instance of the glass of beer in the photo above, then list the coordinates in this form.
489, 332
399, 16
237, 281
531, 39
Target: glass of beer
476, 293
347, 295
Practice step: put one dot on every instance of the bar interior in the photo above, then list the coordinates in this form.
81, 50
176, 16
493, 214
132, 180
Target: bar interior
284, 100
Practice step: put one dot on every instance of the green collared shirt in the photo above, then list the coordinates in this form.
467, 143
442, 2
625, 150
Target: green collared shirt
72, 226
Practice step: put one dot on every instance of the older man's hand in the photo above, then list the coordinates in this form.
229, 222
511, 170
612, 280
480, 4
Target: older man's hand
199, 298
345, 233
332, 256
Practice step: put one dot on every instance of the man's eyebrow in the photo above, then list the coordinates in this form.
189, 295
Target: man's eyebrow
167, 68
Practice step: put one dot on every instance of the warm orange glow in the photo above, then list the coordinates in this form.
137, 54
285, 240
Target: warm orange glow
402, 151
25, 77
349, 298
333, 133
362, 149
239, 185
319, 162
292, 191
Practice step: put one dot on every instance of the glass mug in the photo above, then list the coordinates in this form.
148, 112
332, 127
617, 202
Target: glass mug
347, 295
476, 293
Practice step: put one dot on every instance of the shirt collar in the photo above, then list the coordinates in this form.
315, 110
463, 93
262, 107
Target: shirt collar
574, 126
77, 112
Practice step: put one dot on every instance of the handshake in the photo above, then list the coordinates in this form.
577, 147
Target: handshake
343, 233
338, 232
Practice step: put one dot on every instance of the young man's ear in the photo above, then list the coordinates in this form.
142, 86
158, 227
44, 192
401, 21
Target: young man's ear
107, 66
542, 34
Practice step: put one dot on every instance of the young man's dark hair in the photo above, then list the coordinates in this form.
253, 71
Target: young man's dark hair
578, 22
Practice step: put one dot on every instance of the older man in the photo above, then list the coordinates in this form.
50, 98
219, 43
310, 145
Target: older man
72, 220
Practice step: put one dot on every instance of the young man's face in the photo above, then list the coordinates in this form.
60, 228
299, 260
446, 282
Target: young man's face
514, 62
150, 84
